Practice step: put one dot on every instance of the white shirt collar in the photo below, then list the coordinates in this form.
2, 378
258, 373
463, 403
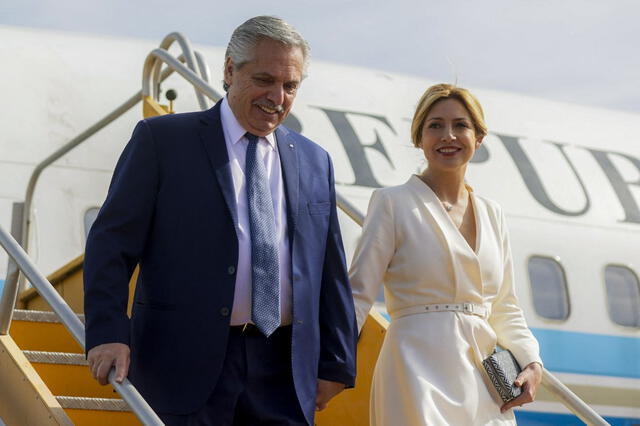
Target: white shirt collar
234, 129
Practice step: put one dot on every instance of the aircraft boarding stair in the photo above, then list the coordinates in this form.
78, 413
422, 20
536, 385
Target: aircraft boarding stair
60, 363
55, 364
44, 378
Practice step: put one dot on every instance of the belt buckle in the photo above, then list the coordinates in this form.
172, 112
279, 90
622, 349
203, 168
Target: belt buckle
467, 308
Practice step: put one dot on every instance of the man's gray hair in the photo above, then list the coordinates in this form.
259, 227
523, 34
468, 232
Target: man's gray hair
246, 36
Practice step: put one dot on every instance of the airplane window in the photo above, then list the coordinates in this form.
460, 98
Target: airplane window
549, 288
89, 217
623, 295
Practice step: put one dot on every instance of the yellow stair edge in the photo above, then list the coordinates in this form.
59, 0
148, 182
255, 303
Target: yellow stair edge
42, 331
68, 374
55, 278
27, 400
98, 411
68, 282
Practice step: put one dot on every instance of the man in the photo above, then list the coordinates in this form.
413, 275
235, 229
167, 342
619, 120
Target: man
243, 312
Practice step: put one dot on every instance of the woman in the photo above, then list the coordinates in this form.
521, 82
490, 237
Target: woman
443, 255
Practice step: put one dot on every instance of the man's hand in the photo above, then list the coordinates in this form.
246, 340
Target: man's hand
102, 357
326, 391
529, 379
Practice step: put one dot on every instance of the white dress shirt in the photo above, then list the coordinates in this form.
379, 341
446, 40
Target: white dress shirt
267, 151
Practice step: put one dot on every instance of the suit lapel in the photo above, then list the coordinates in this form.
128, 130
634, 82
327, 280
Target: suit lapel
289, 160
212, 137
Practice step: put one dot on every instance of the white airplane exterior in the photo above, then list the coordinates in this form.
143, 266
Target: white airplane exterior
567, 177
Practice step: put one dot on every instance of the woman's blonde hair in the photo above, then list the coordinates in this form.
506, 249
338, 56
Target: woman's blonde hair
442, 91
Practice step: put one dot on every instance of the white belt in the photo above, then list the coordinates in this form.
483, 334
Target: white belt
466, 308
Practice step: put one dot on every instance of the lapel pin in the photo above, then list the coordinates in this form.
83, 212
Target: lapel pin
291, 145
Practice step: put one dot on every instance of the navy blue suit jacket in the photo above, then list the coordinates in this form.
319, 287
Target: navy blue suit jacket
171, 208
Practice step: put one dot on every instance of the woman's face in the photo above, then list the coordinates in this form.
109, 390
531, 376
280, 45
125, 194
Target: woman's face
448, 137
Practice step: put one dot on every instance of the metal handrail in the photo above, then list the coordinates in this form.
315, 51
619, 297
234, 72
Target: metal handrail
571, 400
157, 55
35, 175
13, 279
350, 210
9, 296
138, 405
108, 119
62, 151
576, 405
190, 60
203, 67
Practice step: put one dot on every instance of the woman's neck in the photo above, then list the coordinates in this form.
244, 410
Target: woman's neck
448, 186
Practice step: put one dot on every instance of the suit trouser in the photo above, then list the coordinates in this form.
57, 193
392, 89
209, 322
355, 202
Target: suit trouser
255, 386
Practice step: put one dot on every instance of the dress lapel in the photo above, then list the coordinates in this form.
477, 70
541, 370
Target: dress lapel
287, 149
212, 137
440, 214
477, 216
465, 263
432, 204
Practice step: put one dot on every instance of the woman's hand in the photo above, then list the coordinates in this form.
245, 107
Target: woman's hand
528, 380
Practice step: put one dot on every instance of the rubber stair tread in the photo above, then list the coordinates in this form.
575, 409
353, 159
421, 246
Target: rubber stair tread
38, 316
45, 357
85, 403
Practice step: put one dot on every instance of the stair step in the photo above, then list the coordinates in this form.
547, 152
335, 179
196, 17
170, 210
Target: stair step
42, 331
68, 374
56, 357
97, 411
38, 316
102, 404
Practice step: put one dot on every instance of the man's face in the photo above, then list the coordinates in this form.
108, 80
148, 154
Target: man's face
261, 92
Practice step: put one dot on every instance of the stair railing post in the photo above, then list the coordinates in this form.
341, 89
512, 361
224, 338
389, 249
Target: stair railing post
9, 296
11, 283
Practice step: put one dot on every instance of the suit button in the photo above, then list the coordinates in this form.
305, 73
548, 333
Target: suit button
300, 322
224, 311
231, 270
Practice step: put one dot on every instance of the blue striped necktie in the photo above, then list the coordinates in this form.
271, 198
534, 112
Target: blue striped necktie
265, 297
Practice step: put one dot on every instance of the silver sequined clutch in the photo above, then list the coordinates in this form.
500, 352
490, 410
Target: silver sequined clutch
503, 370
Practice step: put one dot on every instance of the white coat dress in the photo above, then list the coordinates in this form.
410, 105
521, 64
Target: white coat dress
429, 369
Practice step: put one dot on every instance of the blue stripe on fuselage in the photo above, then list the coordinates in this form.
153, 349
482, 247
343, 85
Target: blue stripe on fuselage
531, 418
586, 353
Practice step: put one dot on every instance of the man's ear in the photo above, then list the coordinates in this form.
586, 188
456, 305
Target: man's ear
228, 71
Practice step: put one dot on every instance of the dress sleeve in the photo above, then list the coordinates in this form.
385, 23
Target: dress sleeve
506, 316
372, 255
